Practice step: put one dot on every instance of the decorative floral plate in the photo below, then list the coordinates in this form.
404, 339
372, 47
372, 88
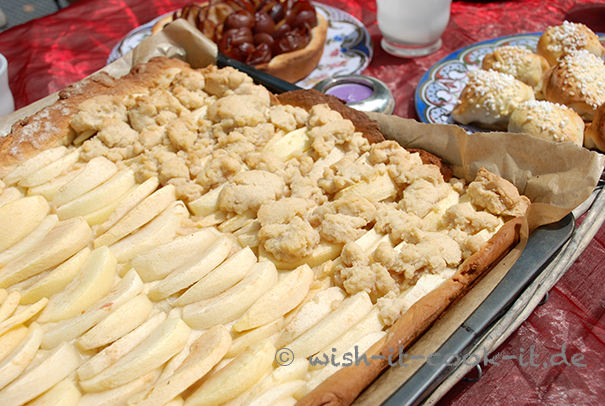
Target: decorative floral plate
348, 48
441, 86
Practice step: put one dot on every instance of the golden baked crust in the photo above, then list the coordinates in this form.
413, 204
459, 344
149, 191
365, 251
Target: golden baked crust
577, 81
35, 133
489, 98
550, 121
284, 184
594, 137
518, 62
557, 41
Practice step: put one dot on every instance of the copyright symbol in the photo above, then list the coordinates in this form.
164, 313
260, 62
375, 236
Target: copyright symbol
284, 357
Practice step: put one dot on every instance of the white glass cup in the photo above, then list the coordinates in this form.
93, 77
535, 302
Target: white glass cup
7, 104
412, 28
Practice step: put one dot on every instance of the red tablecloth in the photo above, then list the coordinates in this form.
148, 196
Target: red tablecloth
47, 54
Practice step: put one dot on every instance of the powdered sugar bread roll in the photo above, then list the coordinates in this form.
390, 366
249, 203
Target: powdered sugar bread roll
594, 137
550, 121
560, 40
519, 62
489, 99
577, 81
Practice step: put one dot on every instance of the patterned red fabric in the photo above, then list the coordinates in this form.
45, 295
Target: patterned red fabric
47, 54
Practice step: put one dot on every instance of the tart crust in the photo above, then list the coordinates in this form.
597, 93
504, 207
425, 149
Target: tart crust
30, 136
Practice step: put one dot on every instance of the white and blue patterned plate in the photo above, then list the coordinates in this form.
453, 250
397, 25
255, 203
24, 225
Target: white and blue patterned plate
441, 86
348, 48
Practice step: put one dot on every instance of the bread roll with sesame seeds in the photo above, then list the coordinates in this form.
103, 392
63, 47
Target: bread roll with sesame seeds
577, 81
550, 121
560, 40
519, 62
489, 99
594, 137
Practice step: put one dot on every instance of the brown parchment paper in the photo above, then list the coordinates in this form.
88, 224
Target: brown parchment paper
556, 177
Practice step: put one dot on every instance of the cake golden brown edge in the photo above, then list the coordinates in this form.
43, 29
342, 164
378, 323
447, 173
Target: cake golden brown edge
29, 136
344, 386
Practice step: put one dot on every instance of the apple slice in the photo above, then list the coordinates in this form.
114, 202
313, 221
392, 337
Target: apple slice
65, 393
158, 262
37, 380
131, 200
220, 279
243, 397
175, 362
247, 236
377, 189
297, 369
371, 323
9, 305
117, 186
284, 390
97, 171
67, 330
333, 326
122, 394
22, 316
92, 283
63, 241
283, 297
119, 323
188, 274
139, 216
109, 355
9, 194
168, 339
57, 279
49, 189
335, 155
207, 204
30, 242
237, 222
160, 230
21, 357
21, 217
344, 357
11, 340
178, 401
311, 313
102, 214
52, 171
238, 376
248, 338
205, 353
432, 220
289, 145
234, 302
34, 164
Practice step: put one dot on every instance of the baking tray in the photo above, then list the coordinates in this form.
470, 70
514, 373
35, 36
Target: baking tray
542, 246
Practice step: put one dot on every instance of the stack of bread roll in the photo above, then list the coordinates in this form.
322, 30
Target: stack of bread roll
557, 93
